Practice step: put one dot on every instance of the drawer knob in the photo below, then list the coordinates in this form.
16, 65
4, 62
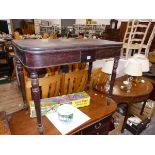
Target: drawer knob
98, 126
88, 57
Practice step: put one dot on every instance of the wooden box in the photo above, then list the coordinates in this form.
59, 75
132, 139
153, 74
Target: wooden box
137, 129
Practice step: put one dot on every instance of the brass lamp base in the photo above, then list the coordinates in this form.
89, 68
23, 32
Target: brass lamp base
136, 80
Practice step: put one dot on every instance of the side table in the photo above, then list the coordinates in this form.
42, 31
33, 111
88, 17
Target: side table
139, 92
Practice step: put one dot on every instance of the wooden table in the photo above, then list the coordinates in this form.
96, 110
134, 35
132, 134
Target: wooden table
99, 112
34, 54
139, 92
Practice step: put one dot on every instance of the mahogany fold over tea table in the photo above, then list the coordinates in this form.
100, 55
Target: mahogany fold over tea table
41, 53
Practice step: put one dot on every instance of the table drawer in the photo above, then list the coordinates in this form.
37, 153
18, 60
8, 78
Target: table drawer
87, 56
99, 128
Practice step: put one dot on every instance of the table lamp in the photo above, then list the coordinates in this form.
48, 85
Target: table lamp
134, 71
107, 68
143, 60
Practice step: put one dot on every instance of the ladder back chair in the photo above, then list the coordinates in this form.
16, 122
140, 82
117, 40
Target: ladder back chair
134, 37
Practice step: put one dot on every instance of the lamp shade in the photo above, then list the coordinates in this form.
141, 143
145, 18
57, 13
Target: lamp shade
133, 68
144, 62
108, 66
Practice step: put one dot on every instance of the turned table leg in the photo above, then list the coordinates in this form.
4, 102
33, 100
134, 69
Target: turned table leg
89, 74
36, 98
20, 78
113, 76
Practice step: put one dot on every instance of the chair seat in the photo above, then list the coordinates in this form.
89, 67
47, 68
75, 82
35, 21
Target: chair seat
134, 46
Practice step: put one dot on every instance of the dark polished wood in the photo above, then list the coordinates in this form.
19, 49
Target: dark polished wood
89, 74
113, 76
139, 92
36, 97
21, 81
100, 113
43, 53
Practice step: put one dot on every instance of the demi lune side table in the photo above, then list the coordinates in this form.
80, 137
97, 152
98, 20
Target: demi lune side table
139, 92
41, 53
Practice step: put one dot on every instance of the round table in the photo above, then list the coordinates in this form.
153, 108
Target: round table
138, 93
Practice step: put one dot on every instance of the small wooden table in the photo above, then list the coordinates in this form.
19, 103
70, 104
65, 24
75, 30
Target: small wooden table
42, 53
139, 92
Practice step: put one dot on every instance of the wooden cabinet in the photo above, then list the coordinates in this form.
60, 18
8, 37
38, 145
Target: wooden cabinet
28, 27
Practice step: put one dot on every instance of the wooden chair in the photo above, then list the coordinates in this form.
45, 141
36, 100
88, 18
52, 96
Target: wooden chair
53, 70
76, 67
134, 37
147, 46
74, 82
98, 78
49, 87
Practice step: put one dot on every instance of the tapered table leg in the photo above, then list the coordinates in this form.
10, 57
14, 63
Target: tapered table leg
20, 78
141, 112
113, 76
126, 117
36, 98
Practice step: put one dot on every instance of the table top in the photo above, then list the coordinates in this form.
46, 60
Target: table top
138, 92
42, 53
52, 45
97, 110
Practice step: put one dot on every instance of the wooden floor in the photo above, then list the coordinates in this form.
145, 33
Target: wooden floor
10, 98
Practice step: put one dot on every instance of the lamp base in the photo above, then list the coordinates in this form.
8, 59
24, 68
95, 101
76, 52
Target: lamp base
136, 80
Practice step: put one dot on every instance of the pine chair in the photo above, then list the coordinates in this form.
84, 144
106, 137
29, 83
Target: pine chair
76, 67
74, 82
98, 78
53, 70
49, 87
134, 37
